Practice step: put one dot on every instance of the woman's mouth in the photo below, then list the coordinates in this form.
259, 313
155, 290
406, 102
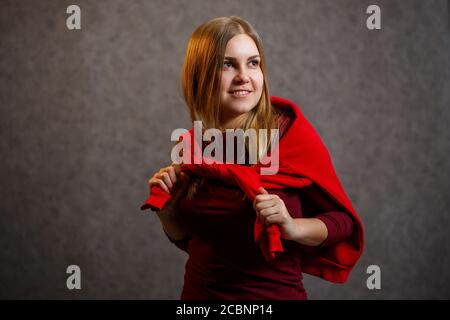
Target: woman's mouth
240, 93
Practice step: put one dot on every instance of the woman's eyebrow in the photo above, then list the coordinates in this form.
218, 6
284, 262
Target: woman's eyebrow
249, 58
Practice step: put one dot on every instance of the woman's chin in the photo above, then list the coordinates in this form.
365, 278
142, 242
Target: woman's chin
240, 107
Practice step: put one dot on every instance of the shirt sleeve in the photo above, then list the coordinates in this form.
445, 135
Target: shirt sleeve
315, 203
182, 244
339, 226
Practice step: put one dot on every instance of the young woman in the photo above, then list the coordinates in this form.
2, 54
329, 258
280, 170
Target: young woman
251, 236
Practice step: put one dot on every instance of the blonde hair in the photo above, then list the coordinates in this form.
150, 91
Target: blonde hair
201, 80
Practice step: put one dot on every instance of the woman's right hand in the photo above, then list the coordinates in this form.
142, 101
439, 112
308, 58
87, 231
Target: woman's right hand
166, 178
171, 179
174, 182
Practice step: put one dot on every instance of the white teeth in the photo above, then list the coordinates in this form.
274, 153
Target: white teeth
241, 92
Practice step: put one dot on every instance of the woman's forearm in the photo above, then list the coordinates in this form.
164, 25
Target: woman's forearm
172, 224
309, 231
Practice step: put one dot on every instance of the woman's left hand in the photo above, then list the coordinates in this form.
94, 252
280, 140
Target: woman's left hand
270, 209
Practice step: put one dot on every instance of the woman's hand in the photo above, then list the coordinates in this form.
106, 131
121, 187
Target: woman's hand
173, 181
166, 177
270, 209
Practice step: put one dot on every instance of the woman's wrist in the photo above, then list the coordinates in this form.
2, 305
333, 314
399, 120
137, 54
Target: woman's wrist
309, 231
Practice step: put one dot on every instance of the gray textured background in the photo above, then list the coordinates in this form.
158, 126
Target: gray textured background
85, 118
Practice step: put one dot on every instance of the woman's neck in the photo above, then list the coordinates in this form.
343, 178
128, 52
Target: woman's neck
233, 123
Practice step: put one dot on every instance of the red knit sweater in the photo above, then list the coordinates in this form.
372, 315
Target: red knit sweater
304, 161
224, 261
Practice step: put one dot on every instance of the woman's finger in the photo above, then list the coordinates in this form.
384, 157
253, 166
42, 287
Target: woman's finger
263, 197
261, 190
162, 185
263, 214
273, 219
165, 177
264, 204
172, 174
268, 211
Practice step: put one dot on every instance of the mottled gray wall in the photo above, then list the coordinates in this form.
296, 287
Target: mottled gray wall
85, 118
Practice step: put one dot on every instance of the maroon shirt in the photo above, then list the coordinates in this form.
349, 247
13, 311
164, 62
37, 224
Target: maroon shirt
225, 262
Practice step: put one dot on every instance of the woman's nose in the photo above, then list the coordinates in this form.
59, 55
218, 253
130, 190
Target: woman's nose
242, 75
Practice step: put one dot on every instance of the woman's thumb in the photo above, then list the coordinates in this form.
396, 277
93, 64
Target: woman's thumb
261, 190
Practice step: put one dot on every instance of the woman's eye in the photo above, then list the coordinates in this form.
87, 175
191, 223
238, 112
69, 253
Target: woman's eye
255, 63
229, 64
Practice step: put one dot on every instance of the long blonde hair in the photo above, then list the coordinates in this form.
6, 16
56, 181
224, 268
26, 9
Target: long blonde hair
201, 80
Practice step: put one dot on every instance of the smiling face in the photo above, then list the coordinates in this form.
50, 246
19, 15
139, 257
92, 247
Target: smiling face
242, 80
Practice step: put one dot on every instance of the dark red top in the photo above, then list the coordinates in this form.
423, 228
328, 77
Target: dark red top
225, 262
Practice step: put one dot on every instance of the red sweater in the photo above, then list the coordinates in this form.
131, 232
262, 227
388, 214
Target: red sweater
225, 262
304, 161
